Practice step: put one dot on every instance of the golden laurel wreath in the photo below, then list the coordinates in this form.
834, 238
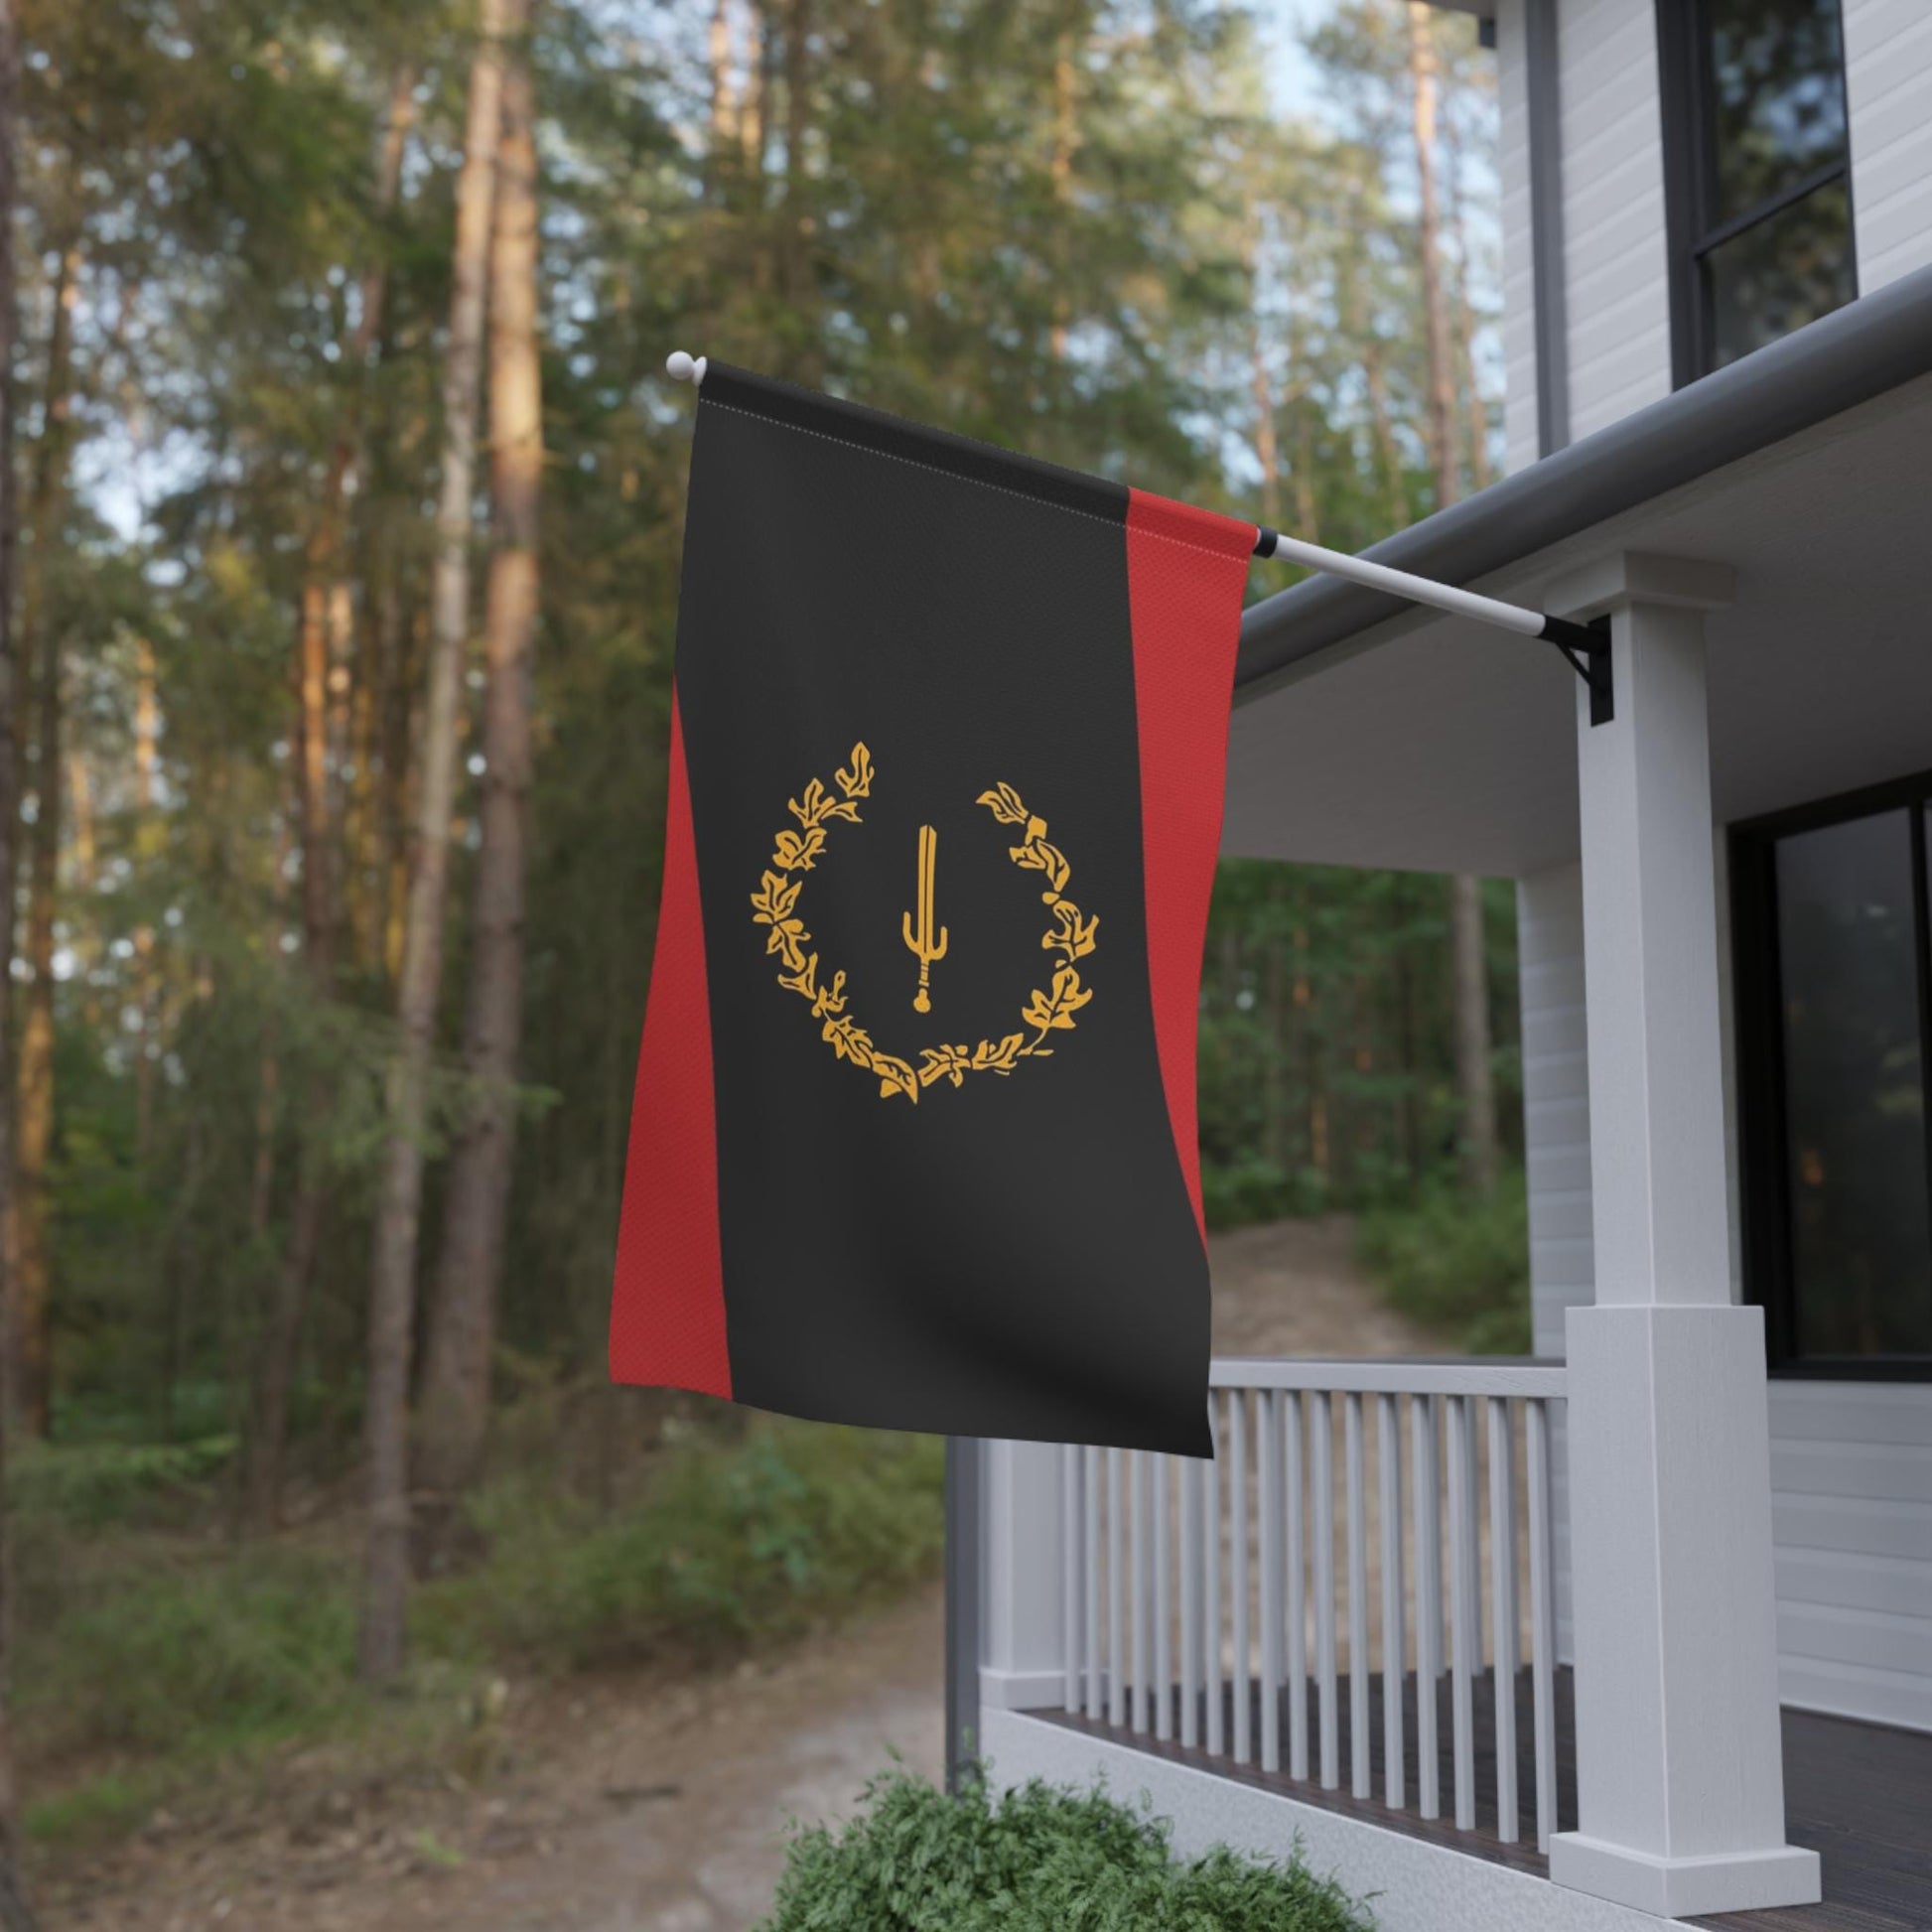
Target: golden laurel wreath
774, 906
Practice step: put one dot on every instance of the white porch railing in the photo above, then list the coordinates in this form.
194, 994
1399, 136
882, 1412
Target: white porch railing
1202, 1602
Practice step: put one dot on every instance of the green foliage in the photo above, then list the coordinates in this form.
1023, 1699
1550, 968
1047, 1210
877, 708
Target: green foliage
797, 1522
1328, 1052
104, 1808
170, 1654
1459, 1264
1036, 1859
190, 1656
1246, 1190
93, 1485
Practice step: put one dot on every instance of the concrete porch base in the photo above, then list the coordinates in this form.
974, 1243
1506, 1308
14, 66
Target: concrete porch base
1409, 1884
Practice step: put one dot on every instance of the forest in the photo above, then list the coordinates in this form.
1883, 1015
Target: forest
341, 499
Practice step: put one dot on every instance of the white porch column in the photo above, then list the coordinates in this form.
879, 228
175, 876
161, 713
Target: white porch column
1679, 1771
1022, 1665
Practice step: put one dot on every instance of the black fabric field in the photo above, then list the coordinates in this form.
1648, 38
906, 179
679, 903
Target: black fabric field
1015, 1255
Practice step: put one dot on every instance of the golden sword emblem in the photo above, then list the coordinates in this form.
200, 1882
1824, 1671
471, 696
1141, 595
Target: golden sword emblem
921, 943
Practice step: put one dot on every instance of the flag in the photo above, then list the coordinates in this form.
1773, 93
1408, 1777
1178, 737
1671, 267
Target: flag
913, 1139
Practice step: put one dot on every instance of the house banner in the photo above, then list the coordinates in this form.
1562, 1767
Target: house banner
913, 1142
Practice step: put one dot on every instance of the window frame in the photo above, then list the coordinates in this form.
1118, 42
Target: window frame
1764, 1170
1692, 230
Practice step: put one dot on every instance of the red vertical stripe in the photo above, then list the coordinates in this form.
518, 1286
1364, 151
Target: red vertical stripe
667, 1308
1186, 571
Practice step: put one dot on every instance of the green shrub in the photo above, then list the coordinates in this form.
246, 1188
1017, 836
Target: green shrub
1238, 1192
164, 1653
179, 1657
1457, 1264
800, 1520
94, 1484
1037, 1860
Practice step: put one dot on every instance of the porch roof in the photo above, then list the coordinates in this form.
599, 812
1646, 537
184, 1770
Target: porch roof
1370, 734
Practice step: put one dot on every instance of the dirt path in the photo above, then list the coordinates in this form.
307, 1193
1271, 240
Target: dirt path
620, 1805
625, 1806
1294, 1288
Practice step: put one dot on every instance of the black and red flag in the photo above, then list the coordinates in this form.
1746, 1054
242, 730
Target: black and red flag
913, 1142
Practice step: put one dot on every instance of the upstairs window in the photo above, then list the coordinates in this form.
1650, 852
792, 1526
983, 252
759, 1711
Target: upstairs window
1758, 173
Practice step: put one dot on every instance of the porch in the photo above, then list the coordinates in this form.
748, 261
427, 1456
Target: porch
1858, 1794
1223, 1636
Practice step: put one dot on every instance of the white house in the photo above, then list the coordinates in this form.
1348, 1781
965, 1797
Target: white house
1679, 1567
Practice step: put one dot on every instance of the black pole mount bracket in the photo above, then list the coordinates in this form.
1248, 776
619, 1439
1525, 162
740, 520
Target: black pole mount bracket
1586, 647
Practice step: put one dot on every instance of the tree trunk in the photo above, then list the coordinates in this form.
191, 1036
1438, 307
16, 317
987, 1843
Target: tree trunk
316, 642
1274, 998
1474, 1086
392, 1284
398, 735
1067, 131
1361, 327
147, 735
15, 1914
795, 276
455, 1397
753, 119
1475, 410
725, 121
1472, 1073
1442, 373
1266, 446
40, 646
82, 865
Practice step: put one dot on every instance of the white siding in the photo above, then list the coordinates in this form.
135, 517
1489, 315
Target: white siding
1616, 268
1851, 1463
1519, 284
1852, 1506
1556, 1098
1889, 88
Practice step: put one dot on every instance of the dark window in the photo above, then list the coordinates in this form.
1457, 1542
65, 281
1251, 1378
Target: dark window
1758, 173
1833, 978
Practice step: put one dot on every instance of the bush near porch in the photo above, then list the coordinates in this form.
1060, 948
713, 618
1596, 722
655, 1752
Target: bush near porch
1457, 1263
1036, 1859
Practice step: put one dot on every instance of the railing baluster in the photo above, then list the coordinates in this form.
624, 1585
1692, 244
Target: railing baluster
1090, 1524
1359, 1756
1137, 1676
1543, 1623
1071, 1541
1242, 1675
1268, 1489
1502, 1594
1424, 1440
1463, 1639
1162, 1609
1116, 1606
1191, 1470
1321, 1480
1211, 1647
1294, 1442
1395, 1645
1472, 1530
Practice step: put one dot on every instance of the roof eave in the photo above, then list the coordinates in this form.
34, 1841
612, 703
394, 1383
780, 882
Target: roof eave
1844, 358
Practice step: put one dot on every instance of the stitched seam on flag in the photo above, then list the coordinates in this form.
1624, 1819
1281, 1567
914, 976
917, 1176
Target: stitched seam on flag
979, 482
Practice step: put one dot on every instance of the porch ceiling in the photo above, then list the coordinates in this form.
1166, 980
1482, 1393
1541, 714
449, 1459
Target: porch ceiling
1427, 743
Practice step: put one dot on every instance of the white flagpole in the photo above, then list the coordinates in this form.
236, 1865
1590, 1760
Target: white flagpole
1587, 650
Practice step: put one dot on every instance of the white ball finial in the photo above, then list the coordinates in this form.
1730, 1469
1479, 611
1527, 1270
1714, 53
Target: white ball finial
679, 367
